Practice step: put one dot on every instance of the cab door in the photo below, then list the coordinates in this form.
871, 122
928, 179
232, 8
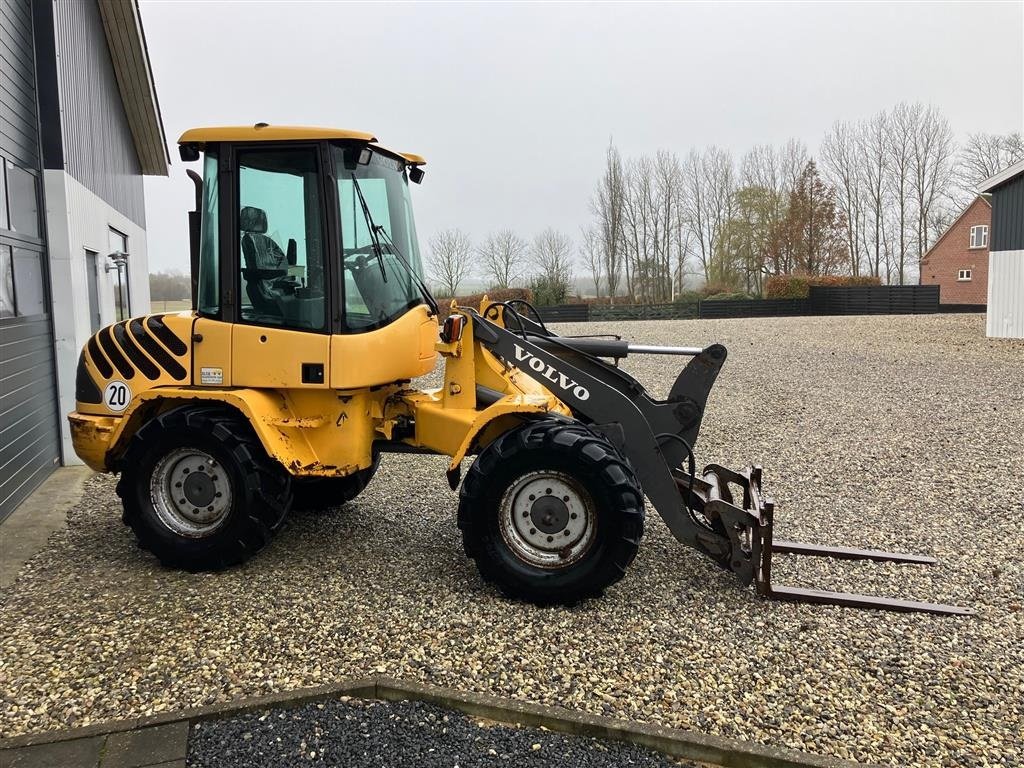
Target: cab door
281, 336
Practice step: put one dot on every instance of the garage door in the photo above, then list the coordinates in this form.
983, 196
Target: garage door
29, 429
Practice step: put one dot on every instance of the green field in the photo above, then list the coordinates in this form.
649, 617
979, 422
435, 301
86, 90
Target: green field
170, 306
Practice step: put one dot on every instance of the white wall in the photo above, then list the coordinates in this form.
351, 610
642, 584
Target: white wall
77, 220
1006, 294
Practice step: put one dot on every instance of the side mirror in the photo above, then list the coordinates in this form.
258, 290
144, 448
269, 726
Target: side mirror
188, 152
416, 174
292, 252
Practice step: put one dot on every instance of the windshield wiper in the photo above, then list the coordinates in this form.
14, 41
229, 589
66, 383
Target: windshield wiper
372, 227
424, 290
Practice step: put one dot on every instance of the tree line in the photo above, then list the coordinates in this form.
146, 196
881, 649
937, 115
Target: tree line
877, 195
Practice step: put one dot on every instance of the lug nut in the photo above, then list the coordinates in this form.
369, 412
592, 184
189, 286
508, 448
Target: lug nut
533, 531
551, 538
573, 515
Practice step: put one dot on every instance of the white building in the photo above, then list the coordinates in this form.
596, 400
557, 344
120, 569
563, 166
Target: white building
1006, 255
79, 127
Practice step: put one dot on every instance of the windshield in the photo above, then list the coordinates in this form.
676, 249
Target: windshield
377, 290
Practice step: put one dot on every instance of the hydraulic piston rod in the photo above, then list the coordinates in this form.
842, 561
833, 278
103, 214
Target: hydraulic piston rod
615, 348
645, 349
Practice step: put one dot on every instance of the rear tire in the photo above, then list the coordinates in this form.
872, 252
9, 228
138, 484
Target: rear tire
322, 493
551, 513
199, 491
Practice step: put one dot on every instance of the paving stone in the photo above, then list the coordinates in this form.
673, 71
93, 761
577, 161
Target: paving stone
77, 753
146, 747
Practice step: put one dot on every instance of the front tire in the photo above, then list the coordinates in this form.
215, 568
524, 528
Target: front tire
551, 513
199, 491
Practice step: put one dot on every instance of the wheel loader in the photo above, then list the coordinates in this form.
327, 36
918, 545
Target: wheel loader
293, 373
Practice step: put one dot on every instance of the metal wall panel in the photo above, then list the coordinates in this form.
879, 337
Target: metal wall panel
29, 431
98, 147
19, 136
29, 427
1008, 217
1006, 294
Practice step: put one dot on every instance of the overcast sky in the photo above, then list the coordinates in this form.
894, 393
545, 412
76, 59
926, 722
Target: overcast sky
513, 105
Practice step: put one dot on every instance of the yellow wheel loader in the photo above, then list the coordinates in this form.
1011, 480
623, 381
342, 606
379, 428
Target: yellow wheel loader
292, 374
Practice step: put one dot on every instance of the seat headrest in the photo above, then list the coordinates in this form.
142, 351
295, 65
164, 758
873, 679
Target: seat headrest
252, 219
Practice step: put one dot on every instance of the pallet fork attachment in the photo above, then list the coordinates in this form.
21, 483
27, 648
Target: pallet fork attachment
701, 511
751, 528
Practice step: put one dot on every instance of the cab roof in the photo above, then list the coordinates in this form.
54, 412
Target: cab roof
200, 137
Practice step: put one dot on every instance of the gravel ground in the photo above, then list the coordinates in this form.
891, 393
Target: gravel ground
901, 433
355, 733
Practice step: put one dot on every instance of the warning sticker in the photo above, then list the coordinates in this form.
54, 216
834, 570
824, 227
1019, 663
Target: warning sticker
213, 376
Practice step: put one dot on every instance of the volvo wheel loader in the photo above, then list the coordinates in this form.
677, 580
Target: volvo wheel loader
292, 374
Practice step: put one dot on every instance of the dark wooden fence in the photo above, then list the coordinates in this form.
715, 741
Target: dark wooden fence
753, 308
874, 300
859, 300
565, 313
643, 311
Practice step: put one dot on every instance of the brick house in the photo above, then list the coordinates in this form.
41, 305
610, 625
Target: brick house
958, 262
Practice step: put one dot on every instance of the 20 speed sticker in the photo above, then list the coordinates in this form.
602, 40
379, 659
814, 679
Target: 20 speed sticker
117, 395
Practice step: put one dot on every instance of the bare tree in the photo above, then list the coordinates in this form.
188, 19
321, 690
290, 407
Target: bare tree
872, 148
502, 257
933, 155
591, 249
607, 207
708, 187
984, 155
450, 259
841, 161
902, 133
551, 255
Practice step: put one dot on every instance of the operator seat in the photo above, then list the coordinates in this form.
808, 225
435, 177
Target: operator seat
264, 261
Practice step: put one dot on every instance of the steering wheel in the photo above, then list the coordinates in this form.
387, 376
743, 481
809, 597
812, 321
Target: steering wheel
361, 255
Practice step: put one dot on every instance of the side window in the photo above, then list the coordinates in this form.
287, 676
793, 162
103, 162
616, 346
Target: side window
209, 250
118, 243
281, 248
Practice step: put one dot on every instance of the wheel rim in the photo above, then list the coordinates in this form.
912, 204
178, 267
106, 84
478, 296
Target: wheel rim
547, 519
190, 491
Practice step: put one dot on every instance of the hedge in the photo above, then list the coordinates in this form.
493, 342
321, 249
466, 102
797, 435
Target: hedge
798, 286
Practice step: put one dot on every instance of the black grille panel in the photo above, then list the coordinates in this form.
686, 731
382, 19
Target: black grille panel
99, 360
155, 351
122, 365
86, 390
166, 335
141, 362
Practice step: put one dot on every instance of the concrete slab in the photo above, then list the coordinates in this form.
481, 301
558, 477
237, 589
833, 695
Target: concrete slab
78, 753
26, 530
147, 746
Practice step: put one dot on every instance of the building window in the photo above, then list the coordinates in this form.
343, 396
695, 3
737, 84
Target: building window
979, 237
963, 275
6, 282
23, 201
4, 222
118, 243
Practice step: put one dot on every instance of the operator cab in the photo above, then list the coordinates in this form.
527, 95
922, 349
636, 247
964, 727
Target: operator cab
303, 228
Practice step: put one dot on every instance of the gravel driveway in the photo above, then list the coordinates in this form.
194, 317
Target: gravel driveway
368, 734
900, 433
